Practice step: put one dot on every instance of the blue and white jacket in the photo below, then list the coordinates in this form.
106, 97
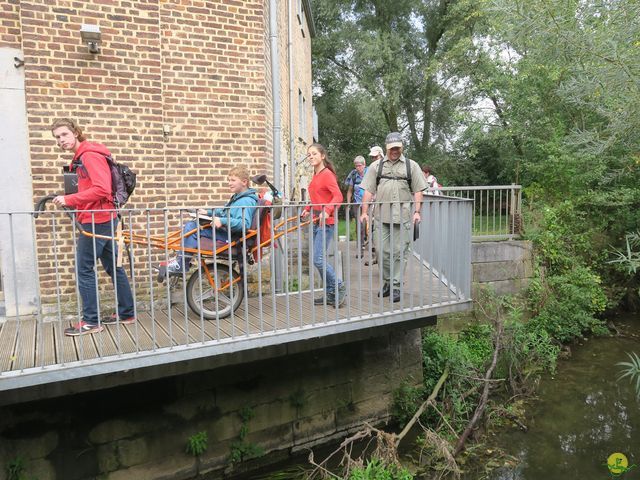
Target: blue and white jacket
233, 216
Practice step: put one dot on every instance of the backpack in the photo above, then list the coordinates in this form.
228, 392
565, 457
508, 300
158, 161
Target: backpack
407, 178
123, 181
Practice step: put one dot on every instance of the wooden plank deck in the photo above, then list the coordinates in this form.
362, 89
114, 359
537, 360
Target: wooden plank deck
26, 344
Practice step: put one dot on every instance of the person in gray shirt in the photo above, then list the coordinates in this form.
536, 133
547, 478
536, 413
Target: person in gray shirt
397, 183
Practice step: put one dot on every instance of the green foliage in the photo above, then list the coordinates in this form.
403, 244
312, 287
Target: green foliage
197, 444
242, 450
528, 350
629, 259
406, 400
562, 238
16, 470
631, 369
465, 356
567, 304
377, 470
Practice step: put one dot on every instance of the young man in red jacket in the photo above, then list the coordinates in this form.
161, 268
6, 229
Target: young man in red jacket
94, 193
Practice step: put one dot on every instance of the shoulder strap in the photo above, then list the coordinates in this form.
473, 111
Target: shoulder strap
379, 173
407, 178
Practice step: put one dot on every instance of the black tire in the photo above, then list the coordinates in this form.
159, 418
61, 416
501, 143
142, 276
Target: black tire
214, 304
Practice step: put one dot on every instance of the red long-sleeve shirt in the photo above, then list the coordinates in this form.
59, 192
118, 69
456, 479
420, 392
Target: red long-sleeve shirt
325, 194
94, 184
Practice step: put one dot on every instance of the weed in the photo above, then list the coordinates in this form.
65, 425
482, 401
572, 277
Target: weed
240, 449
16, 470
197, 444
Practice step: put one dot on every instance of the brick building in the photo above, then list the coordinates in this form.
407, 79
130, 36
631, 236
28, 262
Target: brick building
180, 91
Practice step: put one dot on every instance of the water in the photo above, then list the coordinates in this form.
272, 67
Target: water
582, 416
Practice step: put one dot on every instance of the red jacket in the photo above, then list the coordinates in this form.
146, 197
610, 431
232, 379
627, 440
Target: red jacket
325, 194
94, 184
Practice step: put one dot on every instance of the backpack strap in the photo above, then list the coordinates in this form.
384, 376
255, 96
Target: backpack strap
407, 178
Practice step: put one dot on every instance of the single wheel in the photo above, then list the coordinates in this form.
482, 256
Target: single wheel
214, 302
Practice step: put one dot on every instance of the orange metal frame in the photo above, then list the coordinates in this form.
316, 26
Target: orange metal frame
173, 241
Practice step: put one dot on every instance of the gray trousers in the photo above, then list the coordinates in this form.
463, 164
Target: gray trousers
393, 243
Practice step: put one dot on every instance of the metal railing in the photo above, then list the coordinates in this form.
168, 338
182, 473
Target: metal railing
497, 210
229, 303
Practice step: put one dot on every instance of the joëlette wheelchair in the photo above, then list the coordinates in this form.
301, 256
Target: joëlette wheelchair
215, 289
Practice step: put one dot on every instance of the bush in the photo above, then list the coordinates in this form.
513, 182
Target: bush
567, 304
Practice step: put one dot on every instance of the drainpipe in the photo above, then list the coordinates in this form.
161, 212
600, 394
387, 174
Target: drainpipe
277, 125
292, 144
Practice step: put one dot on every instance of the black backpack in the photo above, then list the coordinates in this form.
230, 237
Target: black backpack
123, 180
407, 178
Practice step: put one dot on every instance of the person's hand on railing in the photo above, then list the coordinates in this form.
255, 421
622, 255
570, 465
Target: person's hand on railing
59, 201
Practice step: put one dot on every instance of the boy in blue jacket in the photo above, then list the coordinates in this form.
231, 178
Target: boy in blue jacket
235, 216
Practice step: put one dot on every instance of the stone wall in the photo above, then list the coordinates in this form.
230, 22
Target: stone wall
140, 431
505, 267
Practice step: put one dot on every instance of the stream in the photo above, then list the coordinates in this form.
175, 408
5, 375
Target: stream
582, 415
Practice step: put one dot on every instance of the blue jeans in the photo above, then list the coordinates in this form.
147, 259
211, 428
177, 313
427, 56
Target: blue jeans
322, 238
86, 261
192, 240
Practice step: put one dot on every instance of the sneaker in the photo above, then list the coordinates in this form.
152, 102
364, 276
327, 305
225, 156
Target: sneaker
320, 300
342, 295
113, 319
171, 269
83, 328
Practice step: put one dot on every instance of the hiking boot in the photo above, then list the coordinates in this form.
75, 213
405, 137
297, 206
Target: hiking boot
83, 328
386, 290
113, 319
395, 296
318, 301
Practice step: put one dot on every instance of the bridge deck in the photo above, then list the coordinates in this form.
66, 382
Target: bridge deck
28, 347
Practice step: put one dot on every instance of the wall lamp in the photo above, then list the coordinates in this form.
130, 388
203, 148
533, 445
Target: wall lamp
91, 36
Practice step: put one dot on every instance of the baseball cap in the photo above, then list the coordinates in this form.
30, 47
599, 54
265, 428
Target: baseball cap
375, 151
394, 139
359, 160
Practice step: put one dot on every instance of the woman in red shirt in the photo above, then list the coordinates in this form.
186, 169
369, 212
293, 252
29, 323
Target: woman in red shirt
326, 197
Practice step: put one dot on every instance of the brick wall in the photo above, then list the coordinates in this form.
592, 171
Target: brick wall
180, 92
10, 32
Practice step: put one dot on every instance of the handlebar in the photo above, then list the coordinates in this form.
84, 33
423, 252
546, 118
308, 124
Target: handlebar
260, 179
41, 206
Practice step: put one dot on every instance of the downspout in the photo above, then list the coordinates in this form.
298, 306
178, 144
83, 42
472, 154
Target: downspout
293, 167
275, 89
278, 260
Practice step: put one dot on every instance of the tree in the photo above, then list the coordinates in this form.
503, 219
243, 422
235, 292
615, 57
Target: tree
376, 63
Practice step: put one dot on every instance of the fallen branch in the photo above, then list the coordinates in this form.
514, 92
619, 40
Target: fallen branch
485, 392
422, 408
